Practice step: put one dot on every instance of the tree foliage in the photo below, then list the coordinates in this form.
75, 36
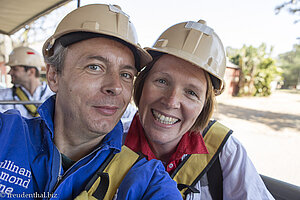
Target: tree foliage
266, 73
258, 69
290, 63
292, 6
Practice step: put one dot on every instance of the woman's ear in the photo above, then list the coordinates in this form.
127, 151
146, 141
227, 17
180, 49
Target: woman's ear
52, 77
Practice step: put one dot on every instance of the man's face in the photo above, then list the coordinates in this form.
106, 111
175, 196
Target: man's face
18, 75
95, 85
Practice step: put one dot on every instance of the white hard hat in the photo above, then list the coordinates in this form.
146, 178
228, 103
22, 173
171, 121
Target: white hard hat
25, 56
97, 20
197, 43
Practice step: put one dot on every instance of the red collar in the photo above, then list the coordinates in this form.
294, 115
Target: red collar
190, 143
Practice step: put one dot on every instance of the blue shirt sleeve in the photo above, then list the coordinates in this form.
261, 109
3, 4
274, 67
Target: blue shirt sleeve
149, 180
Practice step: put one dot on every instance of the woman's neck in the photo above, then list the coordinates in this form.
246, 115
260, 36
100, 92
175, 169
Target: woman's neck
163, 152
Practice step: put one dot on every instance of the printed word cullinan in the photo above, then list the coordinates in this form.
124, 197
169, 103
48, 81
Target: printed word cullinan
10, 173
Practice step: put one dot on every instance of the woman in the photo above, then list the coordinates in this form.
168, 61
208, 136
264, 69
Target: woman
175, 96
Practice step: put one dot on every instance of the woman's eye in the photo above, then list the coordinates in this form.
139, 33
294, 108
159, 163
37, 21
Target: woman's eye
192, 93
94, 67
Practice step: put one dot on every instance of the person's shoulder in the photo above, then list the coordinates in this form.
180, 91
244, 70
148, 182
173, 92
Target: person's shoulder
233, 144
236, 165
13, 116
4, 92
11, 113
10, 120
233, 153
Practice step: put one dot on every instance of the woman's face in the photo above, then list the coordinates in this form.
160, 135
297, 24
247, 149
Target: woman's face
173, 96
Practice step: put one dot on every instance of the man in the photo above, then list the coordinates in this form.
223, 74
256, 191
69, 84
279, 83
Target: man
25, 65
92, 59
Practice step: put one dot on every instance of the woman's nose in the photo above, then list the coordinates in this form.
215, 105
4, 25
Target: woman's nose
172, 99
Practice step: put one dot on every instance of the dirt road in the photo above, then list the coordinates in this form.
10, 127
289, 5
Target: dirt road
269, 128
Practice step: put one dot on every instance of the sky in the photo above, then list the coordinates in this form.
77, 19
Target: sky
237, 22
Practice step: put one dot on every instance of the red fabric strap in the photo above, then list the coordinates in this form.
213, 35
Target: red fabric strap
190, 143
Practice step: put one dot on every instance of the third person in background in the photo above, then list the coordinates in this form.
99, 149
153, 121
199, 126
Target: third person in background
25, 67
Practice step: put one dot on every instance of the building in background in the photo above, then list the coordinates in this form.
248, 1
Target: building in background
232, 74
3, 72
5, 49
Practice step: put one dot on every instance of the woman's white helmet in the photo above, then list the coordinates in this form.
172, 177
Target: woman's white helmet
197, 43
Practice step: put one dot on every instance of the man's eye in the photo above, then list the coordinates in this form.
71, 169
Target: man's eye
127, 76
94, 67
162, 81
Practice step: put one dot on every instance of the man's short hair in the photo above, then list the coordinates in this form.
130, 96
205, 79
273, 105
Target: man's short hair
58, 58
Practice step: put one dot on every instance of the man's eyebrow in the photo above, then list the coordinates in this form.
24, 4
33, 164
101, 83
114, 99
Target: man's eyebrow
130, 67
100, 58
103, 59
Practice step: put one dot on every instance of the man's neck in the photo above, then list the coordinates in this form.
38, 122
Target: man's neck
32, 85
74, 149
70, 138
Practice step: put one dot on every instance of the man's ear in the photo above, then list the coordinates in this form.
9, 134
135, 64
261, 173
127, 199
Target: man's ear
52, 77
31, 71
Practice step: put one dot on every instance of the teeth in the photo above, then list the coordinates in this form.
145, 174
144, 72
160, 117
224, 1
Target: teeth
164, 119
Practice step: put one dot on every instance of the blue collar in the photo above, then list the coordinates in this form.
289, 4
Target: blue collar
113, 139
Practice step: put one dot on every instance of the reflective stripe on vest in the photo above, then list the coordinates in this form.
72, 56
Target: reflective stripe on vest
105, 183
31, 108
196, 165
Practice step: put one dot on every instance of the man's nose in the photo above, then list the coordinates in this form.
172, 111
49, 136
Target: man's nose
112, 84
172, 99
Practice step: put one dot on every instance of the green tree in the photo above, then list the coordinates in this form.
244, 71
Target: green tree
266, 73
258, 69
290, 64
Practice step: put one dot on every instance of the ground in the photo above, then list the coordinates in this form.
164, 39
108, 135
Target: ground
269, 129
